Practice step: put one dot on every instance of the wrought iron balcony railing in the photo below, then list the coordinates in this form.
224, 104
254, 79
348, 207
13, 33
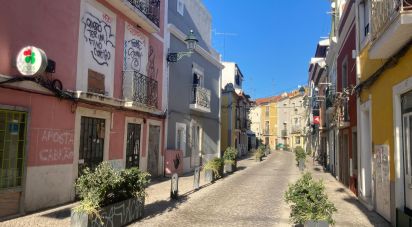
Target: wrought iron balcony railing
284, 133
140, 88
150, 8
296, 129
200, 99
384, 12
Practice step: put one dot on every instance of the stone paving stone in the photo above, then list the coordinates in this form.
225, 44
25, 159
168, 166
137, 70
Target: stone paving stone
252, 196
350, 211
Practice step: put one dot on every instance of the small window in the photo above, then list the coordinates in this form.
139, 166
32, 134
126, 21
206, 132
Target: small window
95, 83
180, 7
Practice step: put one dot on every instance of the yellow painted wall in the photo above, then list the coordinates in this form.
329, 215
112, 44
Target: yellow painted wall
226, 107
273, 121
381, 98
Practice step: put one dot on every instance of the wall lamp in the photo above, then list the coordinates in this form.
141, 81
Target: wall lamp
191, 43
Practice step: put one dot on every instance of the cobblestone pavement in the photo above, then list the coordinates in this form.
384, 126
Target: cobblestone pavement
252, 196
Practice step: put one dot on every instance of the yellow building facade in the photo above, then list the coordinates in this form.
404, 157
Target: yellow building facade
382, 86
269, 120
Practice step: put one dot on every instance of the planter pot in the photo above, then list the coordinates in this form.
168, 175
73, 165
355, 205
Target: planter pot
316, 224
117, 214
209, 176
230, 168
302, 164
259, 159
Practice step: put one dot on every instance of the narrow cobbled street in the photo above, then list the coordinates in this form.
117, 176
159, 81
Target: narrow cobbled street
252, 196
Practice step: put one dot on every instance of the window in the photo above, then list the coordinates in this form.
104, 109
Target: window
297, 139
181, 137
267, 111
12, 147
267, 127
133, 145
364, 19
92, 133
95, 82
180, 7
238, 81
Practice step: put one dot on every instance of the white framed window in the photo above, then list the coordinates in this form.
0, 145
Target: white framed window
180, 7
181, 138
198, 75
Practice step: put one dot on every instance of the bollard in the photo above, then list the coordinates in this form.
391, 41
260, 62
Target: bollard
196, 179
174, 187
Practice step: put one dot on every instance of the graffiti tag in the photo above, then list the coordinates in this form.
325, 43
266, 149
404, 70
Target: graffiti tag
99, 37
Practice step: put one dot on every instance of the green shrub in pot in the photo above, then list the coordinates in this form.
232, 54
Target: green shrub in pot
308, 201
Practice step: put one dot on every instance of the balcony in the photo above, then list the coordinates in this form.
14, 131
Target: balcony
139, 89
391, 22
146, 13
200, 99
284, 133
296, 129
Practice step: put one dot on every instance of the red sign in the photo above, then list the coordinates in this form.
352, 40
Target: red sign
316, 120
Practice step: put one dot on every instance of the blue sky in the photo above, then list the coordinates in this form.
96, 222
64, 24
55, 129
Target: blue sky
272, 41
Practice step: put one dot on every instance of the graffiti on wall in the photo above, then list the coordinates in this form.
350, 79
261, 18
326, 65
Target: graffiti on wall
119, 214
99, 37
152, 71
135, 50
55, 146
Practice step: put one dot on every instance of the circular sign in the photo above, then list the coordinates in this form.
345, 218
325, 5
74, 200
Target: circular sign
31, 60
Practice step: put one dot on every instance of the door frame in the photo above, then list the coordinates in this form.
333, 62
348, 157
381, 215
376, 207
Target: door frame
160, 160
94, 113
132, 120
397, 91
25, 160
366, 181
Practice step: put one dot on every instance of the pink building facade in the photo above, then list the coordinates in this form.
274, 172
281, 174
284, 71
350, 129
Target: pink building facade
110, 59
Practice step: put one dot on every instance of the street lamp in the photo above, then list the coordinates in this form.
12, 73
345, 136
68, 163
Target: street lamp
191, 43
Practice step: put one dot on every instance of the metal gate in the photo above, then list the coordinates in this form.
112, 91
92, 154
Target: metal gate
153, 152
12, 156
91, 150
133, 145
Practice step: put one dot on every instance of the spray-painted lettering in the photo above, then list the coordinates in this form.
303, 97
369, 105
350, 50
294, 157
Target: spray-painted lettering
99, 37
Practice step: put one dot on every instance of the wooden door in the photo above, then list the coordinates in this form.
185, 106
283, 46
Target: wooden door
154, 150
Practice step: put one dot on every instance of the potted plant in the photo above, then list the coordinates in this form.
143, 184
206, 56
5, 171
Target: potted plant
213, 169
108, 196
229, 157
259, 154
286, 147
300, 157
309, 202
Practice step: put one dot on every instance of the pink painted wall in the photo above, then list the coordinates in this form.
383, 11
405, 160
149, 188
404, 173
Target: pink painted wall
50, 127
157, 54
50, 25
54, 27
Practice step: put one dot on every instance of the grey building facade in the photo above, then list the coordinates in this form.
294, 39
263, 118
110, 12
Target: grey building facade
193, 111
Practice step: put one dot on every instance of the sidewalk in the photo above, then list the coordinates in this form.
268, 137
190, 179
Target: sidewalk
157, 201
350, 211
